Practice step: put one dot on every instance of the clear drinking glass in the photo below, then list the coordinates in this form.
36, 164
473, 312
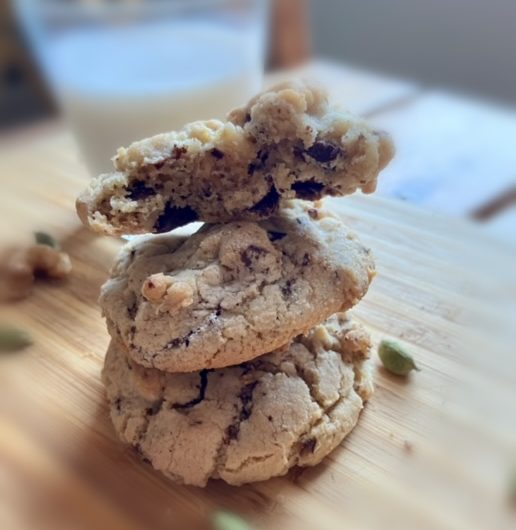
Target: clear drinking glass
125, 70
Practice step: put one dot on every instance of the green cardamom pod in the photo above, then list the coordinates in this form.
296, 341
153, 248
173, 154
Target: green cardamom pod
13, 339
228, 521
395, 358
42, 238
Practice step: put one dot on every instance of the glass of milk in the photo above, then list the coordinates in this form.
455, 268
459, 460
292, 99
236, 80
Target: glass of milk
126, 70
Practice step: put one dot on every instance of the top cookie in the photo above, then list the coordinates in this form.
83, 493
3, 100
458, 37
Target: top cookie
233, 292
287, 142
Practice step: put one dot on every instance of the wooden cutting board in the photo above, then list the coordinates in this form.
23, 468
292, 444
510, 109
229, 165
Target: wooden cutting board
430, 451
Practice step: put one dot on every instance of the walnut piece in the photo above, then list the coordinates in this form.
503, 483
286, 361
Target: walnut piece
179, 294
155, 287
173, 294
20, 266
48, 261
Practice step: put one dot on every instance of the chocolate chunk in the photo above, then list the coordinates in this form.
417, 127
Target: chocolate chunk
250, 254
138, 190
274, 236
309, 189
203, 384
132, 310
156, 407
263, 156
173, 217
299, 151
175, 343
232, 432
323, 151
286, 290
178, 152
179, 341
259, 162
246, 398
268, 204
139, 451
308, 446
217, 153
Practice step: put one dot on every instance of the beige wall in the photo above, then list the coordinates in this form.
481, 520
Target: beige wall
465, 44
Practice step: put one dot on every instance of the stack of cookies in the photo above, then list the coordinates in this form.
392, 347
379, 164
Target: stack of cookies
231, 355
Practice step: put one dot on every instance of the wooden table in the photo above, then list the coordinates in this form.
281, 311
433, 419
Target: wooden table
432, 451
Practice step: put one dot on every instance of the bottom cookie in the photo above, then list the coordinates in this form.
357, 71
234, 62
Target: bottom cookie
249, 422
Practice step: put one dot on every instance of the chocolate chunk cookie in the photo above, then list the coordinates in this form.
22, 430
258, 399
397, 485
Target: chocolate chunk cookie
286, 143
245, 423
235, 291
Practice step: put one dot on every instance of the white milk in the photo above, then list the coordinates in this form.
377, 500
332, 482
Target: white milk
123, 84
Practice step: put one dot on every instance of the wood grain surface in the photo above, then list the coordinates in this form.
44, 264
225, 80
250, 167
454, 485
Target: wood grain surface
432, 451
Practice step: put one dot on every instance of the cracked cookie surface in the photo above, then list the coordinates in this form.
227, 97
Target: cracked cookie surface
285, 143
249, 422
232, 292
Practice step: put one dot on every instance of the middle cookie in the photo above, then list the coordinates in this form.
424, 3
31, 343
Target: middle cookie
235, 291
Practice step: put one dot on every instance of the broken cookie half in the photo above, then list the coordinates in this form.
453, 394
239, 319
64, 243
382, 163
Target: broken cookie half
285, 143
249, 422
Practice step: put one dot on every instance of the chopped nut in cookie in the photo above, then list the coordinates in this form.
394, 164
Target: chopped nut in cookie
172, 293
